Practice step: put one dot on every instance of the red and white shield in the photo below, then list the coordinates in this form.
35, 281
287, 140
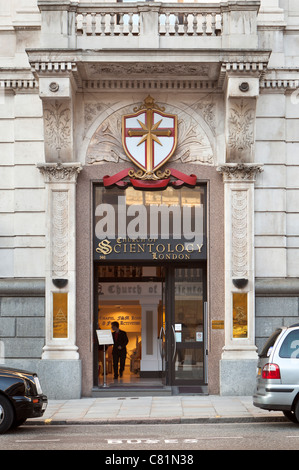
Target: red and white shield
149, 138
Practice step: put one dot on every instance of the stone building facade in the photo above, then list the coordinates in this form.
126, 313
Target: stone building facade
70, 72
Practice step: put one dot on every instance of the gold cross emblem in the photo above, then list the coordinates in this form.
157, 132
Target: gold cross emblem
150, 157
149, 133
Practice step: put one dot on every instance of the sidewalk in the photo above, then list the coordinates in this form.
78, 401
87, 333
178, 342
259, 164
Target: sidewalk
172, 409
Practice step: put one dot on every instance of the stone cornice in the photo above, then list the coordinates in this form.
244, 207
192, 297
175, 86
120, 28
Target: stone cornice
279, 84
17, 79
203, 69
55, 66
19, 84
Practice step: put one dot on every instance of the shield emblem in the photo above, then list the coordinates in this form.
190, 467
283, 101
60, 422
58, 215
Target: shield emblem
149, 136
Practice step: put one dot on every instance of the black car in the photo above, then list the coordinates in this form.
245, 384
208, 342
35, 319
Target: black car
21, 397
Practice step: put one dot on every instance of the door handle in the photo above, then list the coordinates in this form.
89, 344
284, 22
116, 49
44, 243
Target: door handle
161, 335
161, 331
206, 341
174, 340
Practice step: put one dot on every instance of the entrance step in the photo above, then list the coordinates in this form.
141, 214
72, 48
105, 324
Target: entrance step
135, 391
122, 391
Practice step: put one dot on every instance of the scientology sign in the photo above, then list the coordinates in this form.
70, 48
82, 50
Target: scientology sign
146, 231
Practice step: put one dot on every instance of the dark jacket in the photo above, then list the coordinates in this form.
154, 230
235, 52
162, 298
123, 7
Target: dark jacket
122, 340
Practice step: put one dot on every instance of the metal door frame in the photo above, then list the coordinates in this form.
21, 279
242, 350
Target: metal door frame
169, 322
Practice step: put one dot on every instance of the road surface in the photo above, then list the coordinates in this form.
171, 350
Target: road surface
185, 437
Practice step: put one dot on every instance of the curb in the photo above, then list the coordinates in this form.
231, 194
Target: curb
133, 421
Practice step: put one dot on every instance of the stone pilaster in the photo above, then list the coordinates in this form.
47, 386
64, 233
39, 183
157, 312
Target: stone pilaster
60, 180
239, 276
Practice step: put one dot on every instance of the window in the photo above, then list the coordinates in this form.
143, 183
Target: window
150, 225
270, 343
290, 346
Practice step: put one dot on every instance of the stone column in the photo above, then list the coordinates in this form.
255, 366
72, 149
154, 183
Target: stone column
239, 356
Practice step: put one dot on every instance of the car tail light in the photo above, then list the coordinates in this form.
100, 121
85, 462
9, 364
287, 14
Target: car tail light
271, 371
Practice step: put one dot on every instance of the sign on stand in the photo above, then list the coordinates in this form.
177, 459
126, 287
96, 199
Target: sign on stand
104, 338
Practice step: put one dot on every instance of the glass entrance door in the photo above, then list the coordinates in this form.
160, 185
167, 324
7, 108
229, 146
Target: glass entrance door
186, 327
132, 296
162, 310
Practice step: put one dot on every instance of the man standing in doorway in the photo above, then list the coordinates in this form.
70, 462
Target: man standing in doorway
119, 350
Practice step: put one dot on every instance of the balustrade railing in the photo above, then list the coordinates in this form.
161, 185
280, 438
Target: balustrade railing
108, 23
190, 24
218, 25
126, 20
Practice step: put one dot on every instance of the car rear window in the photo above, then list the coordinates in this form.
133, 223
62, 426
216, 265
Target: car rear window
270, 343
290, 346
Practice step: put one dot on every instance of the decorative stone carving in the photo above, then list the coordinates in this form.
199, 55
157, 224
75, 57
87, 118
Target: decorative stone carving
239, 234
193, 145
206, 107
59, 172
238, 172
92, 110
239, 179
240, 130
137, 69
60, 231
58, 130
241, 118
106, 145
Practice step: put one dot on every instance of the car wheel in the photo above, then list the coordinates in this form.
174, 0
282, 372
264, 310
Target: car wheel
296, 411
6, 415
291, 416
